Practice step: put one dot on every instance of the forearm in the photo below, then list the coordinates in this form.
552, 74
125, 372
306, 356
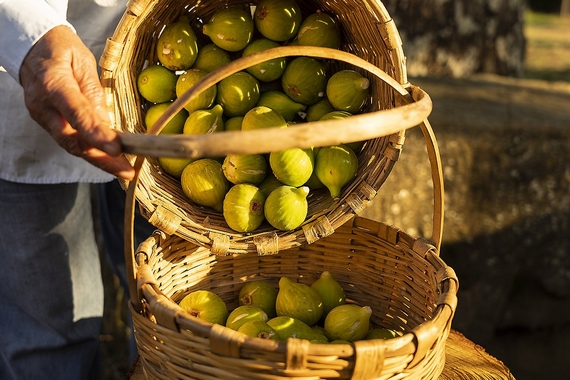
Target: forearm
22, 24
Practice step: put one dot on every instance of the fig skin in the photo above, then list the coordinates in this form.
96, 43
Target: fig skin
319, 29
316, 111
204, 121
269, 70
289, 327
211, 57
175, 125
381, 333
286, 207
243, 207
157, 84
330, 291
259, 293
348, 90
269, 184
348, 322
230, 28
281, 103
293, 166
238, 93
336, 166
305, 80
205, 99
298, 301
334, 115
243, 314
177, 46
245, 168
204, 183
262, 117
258, 329
205, 305
278, 20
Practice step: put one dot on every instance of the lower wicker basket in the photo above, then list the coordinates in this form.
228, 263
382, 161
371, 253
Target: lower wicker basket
402, 278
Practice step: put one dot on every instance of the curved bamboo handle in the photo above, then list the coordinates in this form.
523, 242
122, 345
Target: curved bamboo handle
319, 133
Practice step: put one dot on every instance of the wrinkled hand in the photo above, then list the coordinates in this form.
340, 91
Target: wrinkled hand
63, 94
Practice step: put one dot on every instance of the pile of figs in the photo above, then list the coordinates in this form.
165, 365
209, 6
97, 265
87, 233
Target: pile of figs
317, 312
279, 93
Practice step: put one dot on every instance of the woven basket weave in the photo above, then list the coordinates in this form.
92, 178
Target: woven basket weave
368, 33
409, 288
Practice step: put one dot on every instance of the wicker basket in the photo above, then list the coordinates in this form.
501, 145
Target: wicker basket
394, 106
409, 288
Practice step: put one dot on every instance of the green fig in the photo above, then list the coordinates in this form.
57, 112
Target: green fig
269, 184
211, 57
304, 80
316, 111
314, 183
335, 167
339, 341
203, 100
259, 293
381, 333
258, 329
230, 28
269, 70
293, 166
204, 183
157, 84
286, 207
233, 123
289, 327
348, 90
278, 20
204, 121
319, 29
299, 301
262, 117
238, 93
243, 314
174, 165
175, 125
243, 207
205, 305
348, 322
177, 46
245, 168
281, 103
330, 291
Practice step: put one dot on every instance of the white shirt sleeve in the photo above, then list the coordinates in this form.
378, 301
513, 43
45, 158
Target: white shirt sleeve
22, 24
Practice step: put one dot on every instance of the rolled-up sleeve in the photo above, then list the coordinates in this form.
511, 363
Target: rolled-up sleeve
22, 24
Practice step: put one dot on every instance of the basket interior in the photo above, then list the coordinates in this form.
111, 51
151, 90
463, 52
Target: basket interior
364, 29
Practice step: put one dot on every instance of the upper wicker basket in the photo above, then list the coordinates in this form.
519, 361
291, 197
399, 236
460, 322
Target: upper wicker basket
369, 35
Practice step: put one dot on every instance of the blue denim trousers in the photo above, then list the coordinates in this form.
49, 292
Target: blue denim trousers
51, 292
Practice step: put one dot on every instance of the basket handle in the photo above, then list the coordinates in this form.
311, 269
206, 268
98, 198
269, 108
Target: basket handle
416, 107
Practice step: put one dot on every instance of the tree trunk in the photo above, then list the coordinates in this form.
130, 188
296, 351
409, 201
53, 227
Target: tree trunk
461, 37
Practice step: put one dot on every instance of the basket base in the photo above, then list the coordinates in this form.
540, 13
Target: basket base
464, 359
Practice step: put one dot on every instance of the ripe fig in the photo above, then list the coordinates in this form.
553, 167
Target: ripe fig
335, 167
175, 125
318, 110
233, 123
319, 29
286, 207
259, 293
245, 168
205, 305
243, 314
177, 46
188, 79
304, 80
157, 84
243, 207
211, 57
238, 93
269, 70
262, 117
281, 103
292, 166
348, 322
204, 183
230, 28
348, 90
204, 121
258, 329
278, 20
299, 301
289, 327
381, 333
330, 291
174, 165
269, 184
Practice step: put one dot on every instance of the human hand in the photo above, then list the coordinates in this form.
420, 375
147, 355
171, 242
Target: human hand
63, 94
